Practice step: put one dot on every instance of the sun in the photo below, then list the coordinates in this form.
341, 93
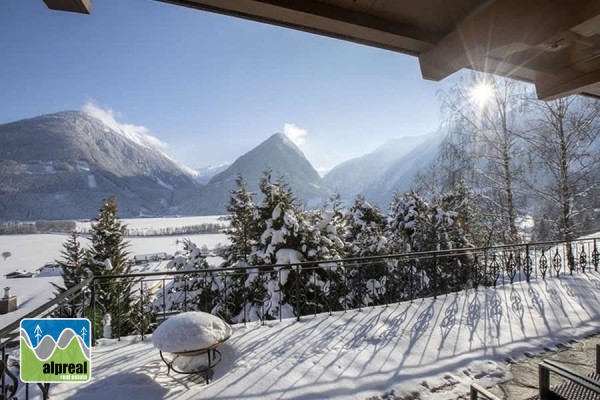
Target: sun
481, 92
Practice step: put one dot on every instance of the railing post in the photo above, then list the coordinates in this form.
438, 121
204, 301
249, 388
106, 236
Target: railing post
544, 381
164, 305
3, 391
314, 292
185, 282
142, 309
119, 317
595, 257
475, 272
280, 291
527, 267
297, 293
93, 300
386, 286
598, 358
410, 283
346, 286
435, 277
45, 388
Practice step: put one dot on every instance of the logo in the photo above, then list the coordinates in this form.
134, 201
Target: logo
56, 350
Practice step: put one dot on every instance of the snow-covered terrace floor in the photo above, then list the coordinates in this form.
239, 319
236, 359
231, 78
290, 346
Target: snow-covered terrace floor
429, 349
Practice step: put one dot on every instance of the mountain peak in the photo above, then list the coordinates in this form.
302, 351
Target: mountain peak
277, 153
73, 160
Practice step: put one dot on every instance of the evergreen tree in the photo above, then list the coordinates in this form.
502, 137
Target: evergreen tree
194, 292
107, 255
326, 239
323, 238
73, 273
279, 222
366, 237
242, 230
280, 226
366, 229
469, 216
423, 227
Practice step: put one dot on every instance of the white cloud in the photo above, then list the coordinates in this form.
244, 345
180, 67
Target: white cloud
137, 133
295, 133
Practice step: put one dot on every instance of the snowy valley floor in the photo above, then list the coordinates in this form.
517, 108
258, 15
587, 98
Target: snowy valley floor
427, 349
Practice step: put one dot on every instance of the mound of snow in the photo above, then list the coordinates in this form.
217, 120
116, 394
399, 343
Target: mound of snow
190, 331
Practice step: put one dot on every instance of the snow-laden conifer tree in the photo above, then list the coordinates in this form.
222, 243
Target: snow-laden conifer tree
280, 226
279, 222
73, 273
197, 291
366, 237
366, 227
322, 240
328, 227
242, 231
423, 227
108, 248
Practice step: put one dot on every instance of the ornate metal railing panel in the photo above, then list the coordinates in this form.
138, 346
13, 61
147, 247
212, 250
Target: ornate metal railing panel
274, 292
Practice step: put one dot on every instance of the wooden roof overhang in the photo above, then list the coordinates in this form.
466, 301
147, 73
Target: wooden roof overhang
553, 43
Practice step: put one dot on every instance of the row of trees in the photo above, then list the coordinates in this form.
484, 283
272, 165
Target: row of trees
176, 230
23, 228
522, 156
278, 230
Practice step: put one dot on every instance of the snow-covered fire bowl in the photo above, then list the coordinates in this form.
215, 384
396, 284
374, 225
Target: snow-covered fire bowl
192, 338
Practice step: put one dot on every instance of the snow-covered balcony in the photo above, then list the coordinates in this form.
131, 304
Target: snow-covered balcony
375, 342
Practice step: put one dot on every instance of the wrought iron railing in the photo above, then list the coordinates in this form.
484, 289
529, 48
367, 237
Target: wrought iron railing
271, 292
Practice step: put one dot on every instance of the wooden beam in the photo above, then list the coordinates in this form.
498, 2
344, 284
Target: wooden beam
324, 19
570, 81
511, 25
77, 6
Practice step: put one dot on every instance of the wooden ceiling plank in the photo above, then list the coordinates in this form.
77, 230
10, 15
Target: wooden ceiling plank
568, 83
506, 23
77, 6
272, 11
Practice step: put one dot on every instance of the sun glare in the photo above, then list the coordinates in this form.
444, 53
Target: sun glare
481, 93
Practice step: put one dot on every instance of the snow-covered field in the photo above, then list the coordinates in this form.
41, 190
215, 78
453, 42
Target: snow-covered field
30, 252
426, 349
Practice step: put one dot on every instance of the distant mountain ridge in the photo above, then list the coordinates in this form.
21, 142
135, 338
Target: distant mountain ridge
62, 165
388, 169
205, 174
277, 153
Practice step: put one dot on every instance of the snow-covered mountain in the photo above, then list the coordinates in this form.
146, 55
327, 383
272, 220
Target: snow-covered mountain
205, 174
277, 153
389, 168
399, 175
62, 165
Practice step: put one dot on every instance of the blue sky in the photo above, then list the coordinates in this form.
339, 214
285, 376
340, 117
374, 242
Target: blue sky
55, 326
210, 87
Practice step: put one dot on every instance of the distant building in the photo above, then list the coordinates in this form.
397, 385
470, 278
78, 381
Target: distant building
18, 274
146, 258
